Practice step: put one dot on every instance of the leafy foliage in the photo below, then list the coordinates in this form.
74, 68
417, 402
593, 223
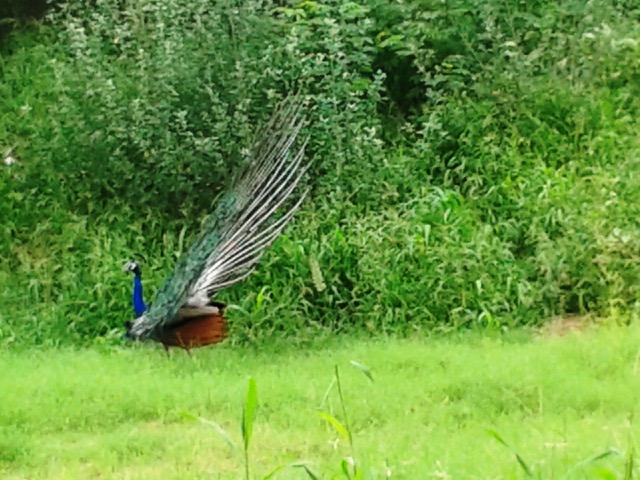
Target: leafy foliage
474, 161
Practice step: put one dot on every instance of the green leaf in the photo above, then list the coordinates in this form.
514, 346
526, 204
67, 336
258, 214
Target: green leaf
305, 467
360, 84
326, 394
249, 412
589, 460
600, 456
336, 424
628, 466
392, 41
183, 231
273, 472
260, 297
363, 368
524, 465
497, 436
604, 473
519, 459
345, 468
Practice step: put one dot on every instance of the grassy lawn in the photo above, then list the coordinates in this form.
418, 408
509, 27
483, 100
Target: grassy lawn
128, 412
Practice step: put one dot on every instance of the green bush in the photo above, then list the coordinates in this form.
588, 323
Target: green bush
473, 161
11, 10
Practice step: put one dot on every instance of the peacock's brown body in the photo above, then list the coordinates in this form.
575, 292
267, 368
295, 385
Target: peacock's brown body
247, 219
203, 328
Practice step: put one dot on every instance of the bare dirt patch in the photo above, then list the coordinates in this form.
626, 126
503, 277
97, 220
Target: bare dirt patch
564, 325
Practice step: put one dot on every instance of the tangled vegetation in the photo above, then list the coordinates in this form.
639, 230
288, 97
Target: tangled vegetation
475, 162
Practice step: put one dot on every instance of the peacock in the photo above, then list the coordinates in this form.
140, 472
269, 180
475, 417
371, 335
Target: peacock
246, 220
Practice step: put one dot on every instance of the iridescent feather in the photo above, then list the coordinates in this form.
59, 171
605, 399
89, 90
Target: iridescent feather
244, 223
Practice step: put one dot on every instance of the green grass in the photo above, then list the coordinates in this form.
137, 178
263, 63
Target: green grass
112, 412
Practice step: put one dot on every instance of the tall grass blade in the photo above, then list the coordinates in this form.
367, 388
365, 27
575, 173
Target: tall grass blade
590, 460
345, 468
346, 418
344, 407
337, 425
604, 473
307, 470
272, 473
325, 397
363, 368
497, 436
527, 470
249, 412
248, 418
359, 474
222, 432
628, 466
524, 465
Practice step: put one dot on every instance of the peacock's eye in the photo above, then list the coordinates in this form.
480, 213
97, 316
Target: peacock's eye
130, 267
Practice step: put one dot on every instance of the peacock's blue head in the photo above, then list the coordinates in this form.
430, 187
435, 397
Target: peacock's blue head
133, 267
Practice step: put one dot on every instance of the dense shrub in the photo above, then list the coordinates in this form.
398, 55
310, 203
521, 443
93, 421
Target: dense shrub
473, 160
15, 13
17, 9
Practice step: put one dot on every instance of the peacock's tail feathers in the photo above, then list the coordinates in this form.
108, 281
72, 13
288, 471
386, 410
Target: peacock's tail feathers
243, 225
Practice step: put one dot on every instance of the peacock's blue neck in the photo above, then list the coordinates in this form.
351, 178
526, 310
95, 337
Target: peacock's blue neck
138, 302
